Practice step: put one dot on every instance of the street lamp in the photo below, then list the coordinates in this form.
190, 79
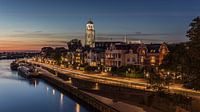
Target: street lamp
147, 75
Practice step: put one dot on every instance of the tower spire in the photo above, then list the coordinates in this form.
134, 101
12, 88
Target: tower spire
125, 38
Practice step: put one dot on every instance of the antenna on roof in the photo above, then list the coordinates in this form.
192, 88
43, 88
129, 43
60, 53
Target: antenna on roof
90, 19
125, 38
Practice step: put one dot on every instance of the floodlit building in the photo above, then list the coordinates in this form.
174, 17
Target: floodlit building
135, 54
90, 34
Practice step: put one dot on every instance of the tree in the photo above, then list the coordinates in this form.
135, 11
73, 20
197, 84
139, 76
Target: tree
185, 58
58, 53
193, 49
47, 52
74, 44
194, 31
156, 82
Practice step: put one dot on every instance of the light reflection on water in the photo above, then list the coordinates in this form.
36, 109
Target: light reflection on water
20, 95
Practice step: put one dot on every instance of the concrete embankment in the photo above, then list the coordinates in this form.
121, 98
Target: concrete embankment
83, 96
118, 92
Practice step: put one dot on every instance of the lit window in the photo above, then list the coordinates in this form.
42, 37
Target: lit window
163, 51
143, 51
142, 59
153, 60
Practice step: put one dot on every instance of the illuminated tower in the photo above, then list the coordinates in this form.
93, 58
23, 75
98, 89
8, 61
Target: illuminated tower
90, 34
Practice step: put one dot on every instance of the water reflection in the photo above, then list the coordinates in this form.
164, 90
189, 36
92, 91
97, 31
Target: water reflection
47, 88
22, 95
53, 92
61, 99
33, 82
77, 107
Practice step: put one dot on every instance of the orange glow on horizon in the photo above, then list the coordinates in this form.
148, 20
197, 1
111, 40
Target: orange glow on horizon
23, 44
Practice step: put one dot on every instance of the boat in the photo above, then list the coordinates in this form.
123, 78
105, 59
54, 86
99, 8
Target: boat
14, 65
27, 71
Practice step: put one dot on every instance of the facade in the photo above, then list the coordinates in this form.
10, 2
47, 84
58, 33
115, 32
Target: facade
156, 53
135, 54
79, 57
94, 57
114, 56
90, 34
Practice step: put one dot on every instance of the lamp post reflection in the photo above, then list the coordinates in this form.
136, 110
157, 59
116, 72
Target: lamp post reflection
53, 91
47, 89
61, 99
77, 107
35, 83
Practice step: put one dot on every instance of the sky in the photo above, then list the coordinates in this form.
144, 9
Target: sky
32, 24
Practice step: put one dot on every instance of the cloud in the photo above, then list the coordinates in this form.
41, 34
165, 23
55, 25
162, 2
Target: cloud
106, 14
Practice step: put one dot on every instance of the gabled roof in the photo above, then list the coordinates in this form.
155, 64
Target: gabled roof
95, 49
153, 48
128, 47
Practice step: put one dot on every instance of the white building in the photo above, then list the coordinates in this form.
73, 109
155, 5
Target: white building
90, 34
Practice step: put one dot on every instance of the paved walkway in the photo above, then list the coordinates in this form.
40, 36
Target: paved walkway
128, 82
120, 106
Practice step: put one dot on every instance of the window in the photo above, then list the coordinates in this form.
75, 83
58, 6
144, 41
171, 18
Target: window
153, 60
133, 59
163, 51
119, 55
143, 51
142, 59
119, 62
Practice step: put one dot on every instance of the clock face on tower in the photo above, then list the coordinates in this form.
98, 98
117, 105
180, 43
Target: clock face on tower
90, 34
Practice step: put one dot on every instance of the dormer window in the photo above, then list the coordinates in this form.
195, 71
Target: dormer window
163, 51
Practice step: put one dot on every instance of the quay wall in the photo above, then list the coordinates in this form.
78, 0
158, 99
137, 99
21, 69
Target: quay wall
115, 91
78, 93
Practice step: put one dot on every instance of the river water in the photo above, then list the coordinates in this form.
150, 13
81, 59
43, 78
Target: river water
20, 95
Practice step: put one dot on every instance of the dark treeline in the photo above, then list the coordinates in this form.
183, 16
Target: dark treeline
17, 55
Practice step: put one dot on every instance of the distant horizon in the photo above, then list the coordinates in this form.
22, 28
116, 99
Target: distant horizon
30, 25
65, 46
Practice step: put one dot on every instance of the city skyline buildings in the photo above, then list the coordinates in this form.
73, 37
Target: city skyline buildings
30, 24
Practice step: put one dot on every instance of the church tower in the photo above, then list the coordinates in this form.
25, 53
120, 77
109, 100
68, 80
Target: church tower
90, 34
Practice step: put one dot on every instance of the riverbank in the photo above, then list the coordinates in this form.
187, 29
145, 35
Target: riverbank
100, 103
117, 91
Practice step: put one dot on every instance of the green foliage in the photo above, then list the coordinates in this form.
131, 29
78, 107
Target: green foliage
128, 71
156, 82
133, 75
74, 44
47, 52
92, 69
194, 32
185, 58
58, 53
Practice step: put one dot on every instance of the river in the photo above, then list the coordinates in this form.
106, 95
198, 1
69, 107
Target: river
20, 95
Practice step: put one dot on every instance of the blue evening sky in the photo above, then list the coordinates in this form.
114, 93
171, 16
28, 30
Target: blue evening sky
37, 23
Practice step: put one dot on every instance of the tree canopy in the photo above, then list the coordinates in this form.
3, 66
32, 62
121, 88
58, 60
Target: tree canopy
185, 57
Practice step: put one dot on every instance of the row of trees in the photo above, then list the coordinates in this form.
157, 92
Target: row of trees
57, 53
129, 71
184, 59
